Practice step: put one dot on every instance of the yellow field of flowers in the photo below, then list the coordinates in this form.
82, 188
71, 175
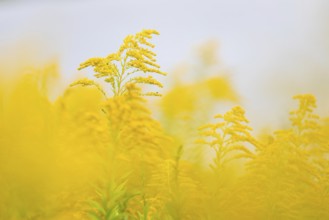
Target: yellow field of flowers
101, 151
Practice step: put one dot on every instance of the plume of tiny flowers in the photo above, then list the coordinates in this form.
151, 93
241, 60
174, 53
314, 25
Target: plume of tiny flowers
134, 56
227, 135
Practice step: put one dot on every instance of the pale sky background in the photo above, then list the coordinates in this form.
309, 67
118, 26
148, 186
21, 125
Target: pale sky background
274, 49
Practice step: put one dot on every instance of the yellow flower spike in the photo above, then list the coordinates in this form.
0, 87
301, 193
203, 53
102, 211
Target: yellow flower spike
152, 94
303, 118
228, 136
148, 80
133, 56
113, 57
88, 82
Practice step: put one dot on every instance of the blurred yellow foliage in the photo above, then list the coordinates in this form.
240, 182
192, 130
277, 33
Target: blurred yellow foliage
88, 155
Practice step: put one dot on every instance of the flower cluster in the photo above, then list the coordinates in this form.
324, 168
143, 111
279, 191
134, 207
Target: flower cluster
135, 55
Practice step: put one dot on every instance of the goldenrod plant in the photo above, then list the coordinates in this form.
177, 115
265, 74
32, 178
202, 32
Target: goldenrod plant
118, 69
98, 152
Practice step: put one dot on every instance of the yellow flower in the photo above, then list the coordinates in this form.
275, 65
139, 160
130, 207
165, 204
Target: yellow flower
132, 57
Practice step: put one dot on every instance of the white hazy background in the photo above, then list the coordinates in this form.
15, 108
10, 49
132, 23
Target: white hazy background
274, 49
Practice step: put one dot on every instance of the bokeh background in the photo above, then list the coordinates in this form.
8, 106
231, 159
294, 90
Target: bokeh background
272, 49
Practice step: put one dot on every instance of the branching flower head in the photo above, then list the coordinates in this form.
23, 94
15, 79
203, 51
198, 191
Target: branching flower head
227, 136
134, 55
303, 118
